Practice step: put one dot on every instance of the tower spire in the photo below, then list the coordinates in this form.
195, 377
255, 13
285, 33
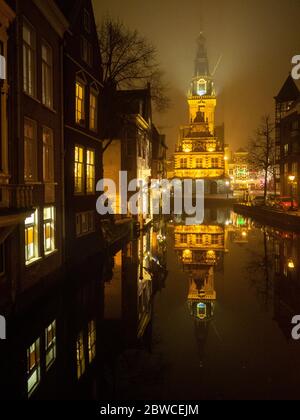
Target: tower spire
201, 61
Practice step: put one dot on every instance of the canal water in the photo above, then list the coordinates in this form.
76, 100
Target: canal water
183, 312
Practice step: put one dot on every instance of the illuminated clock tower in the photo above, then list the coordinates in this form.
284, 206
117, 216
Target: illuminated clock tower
202, 95
199, 153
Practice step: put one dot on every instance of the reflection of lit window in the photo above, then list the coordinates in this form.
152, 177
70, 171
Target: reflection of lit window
50, 344
80, 356
80, 103
90, 171
31, 238
92, 340
78, 170
33, 367
49, 230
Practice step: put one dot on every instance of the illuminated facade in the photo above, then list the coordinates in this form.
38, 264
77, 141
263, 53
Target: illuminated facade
199, 153
130, 149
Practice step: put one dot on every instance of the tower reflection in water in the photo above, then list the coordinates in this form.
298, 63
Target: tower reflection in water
201, 249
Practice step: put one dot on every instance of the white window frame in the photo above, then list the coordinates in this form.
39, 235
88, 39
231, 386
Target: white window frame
29, 55
49, 221
78, 100
79, 189
34, 373
50, 344
47, 76
90, 168
32, 223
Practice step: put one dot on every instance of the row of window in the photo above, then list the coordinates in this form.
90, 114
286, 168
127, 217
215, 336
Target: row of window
30, 77
34, 357
200, 239
199, 163
84, 170
31, 152
80, 106
30, 66
81, 353
85, 351
32, 249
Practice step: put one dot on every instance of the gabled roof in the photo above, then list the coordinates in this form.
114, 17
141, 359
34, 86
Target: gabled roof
289, 91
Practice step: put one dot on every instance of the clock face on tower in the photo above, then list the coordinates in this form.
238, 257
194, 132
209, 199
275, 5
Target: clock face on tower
202, 87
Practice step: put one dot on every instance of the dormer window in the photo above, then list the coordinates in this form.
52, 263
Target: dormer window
202, 87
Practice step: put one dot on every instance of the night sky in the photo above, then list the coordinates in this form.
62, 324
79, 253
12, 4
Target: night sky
256, 38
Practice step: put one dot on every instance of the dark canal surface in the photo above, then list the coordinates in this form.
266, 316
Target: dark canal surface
199, 312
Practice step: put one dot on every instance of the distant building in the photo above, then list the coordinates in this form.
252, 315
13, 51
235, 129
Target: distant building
288, 138
200, 154
159, 155
239, 170
129, 147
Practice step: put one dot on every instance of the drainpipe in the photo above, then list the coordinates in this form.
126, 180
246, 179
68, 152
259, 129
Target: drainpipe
63, 206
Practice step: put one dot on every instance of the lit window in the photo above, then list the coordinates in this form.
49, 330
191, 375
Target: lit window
48, 155
30, 151
92, 340
198, 239
31, 238
199, 163
86, 51
79, 170
47, 75
80, 103
50, 344
29, 59
183, 163
286, 149
49, 230
93, 111
90, 171
80, 356
85, 223
33, 367
87, 21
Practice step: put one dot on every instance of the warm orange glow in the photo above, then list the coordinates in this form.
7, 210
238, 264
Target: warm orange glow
291, 265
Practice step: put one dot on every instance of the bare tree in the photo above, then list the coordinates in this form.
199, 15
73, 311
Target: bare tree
262, 150
130, 61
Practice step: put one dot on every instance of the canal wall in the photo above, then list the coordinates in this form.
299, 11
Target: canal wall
270, 217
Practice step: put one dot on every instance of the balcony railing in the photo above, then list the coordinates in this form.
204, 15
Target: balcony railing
15, 197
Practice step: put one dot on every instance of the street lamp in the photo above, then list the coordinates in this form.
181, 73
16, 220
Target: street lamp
227, 183
292, 181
